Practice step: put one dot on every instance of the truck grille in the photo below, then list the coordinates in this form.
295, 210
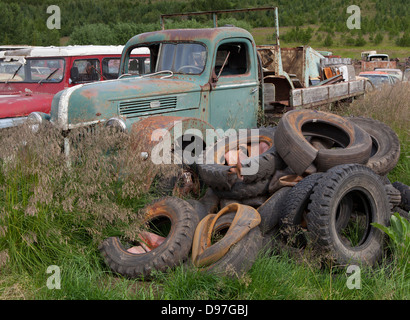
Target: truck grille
136, 108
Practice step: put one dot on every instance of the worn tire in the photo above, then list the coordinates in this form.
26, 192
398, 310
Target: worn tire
218, 176
405, 195
240, 257
371, 204
272, 209
241, 190
355, 143
292, 222
385, 144
173, 251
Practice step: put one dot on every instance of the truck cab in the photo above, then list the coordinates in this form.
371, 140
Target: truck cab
205, 74
30, 76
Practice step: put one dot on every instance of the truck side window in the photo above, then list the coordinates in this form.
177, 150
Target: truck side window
110, 68
86, 70
233, 58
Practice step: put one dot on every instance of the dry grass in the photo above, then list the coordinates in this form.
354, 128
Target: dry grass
390, 105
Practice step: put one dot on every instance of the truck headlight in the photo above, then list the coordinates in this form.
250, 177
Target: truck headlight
116, 124
34, 121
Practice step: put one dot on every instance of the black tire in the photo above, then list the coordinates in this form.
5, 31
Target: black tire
272, 209
218, 176
405, 195
293, 226
172, 252
200, 209
240, 257
370, 204
385, 144
241, 190
292, 145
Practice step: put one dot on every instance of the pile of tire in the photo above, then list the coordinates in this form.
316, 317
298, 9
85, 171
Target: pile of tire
321, 182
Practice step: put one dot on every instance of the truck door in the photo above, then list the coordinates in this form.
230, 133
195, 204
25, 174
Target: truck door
235, 91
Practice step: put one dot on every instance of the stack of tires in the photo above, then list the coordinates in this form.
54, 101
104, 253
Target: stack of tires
336, 168
321, 181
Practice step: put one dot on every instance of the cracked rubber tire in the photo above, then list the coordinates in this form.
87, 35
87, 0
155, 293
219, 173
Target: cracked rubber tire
405, 195
385, 144
217, 174
354, 144
272, 210
240, 257
173, 251
241, 190
371, 205
292, 223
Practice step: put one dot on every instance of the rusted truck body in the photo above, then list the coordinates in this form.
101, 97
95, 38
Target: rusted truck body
212, 78
377, 61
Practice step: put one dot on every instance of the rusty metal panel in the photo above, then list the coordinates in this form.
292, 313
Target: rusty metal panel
371, 65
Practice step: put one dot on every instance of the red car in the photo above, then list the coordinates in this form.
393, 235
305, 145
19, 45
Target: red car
29, 77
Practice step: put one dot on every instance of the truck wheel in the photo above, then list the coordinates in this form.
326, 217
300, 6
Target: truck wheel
385, 144
221, 176
405, 195
178, 219
353, 144
356, 241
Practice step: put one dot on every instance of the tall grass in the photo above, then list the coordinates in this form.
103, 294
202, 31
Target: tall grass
390, 105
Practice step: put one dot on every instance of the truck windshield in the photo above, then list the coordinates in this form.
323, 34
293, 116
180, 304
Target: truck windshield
185, 58
34, 70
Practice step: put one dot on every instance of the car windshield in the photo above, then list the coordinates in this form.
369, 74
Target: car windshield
185, 58
33, 70
377, 79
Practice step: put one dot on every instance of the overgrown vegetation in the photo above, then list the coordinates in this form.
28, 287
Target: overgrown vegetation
56, 213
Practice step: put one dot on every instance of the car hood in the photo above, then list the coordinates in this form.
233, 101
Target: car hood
21, 105
125, 98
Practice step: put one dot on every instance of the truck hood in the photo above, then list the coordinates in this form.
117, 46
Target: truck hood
21, 105
128, 98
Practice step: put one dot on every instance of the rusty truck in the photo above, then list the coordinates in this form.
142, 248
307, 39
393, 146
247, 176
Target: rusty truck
210, 78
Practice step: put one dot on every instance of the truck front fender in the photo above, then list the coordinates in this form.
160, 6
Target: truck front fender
147, 134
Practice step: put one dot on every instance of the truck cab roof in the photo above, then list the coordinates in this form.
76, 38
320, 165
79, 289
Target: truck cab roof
209, 36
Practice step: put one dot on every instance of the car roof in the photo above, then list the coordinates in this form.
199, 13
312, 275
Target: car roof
64, 51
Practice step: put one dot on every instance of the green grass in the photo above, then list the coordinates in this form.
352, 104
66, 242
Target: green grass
54, 215
388, 46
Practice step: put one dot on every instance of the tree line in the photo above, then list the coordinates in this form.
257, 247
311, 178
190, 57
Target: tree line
115, 21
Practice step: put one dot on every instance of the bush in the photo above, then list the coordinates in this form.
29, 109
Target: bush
404, 41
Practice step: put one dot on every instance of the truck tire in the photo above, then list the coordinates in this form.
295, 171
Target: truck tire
241, 190
405, 195
385, 144
358, 242
292, 223
173, 251
354, 143
272, 209
218, 175
240, 257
